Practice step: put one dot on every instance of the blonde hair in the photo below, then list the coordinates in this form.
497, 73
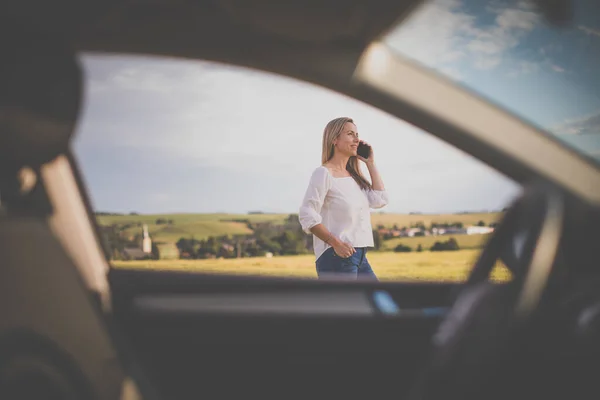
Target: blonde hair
330, 133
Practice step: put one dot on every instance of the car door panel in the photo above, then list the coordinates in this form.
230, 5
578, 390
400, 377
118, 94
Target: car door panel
189, 331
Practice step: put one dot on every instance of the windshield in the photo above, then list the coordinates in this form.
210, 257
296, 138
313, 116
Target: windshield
506, 52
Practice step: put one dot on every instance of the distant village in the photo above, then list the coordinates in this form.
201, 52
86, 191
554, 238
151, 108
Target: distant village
268, 240
435, 230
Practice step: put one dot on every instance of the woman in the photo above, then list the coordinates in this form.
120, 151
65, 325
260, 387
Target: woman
336, 205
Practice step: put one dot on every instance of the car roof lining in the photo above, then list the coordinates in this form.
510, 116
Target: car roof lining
315, 21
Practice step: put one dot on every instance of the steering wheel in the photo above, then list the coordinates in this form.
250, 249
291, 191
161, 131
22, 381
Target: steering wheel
485, 317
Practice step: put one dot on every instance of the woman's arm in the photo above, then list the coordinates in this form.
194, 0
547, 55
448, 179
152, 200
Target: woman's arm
377, 197
314, 197
342, 249
376, 180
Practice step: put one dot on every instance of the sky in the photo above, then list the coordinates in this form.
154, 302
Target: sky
506, 52
162, 135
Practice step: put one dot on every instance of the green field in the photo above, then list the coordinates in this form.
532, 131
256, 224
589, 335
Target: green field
187, 218
450, 266
198, 230
198, 226
401, 220
464, 241
201, 226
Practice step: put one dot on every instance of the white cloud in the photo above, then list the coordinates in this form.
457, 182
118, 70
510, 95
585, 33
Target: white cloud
585, 125
516, 19
556, 68
487, 63
582, 134
524, 68
433, 35
187, 114
442, 33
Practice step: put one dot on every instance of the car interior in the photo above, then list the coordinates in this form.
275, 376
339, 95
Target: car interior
72, 327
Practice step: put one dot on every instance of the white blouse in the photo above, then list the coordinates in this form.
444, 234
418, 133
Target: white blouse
342, 206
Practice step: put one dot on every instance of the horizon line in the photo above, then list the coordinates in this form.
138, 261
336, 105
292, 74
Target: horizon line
134, 213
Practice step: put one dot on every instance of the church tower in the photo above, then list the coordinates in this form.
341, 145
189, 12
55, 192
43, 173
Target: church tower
146, 241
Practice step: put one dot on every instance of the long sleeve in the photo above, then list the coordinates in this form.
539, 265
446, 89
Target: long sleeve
310, 210
377, 198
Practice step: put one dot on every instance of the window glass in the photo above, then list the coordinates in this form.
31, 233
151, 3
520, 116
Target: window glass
203, 166
507, 52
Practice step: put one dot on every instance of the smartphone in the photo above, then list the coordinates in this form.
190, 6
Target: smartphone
363, 150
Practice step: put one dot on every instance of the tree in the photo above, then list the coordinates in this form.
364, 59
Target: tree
267, 244
377, 239
481, 223
437, 246
189, 246
452, 244
402, 249
449, 245
291, 243
155, 252
419, 248
292, 218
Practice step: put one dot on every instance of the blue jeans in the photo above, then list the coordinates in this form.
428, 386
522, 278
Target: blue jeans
356, 266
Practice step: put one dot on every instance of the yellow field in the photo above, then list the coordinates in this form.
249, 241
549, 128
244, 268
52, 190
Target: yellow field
451, 266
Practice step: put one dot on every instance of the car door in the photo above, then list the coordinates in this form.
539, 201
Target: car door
200, 335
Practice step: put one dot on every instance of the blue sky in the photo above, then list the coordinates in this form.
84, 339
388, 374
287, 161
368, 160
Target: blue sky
504, 51
165, 135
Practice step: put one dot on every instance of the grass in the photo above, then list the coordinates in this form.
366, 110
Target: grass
201, 226
198, 229
198, 226
464, 241
187, 218
376, 218
451, 266
401, 220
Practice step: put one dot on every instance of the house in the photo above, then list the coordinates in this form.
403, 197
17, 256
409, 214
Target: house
135, 254
415, 232
167, 251
479, 230
454, 231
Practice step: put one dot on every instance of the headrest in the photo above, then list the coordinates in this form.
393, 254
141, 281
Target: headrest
40, 96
